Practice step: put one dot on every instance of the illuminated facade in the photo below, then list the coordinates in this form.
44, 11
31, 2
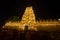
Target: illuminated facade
28, 17
29, 20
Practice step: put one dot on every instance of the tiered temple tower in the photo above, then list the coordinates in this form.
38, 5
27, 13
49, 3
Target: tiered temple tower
28, 19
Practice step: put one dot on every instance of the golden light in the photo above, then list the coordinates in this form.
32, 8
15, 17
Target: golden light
28, 19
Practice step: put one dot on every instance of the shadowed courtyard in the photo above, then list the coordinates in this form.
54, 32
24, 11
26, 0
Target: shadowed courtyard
14, 34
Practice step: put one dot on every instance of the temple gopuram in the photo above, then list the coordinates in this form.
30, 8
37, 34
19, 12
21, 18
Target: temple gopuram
28, 19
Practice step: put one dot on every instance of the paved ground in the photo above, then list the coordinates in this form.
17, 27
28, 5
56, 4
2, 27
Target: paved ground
29, 35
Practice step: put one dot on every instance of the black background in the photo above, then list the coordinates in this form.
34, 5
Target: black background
44, 9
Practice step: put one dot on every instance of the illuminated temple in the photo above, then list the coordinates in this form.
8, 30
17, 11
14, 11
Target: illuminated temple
29, 19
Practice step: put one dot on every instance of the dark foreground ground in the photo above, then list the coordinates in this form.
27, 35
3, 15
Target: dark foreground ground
29, 35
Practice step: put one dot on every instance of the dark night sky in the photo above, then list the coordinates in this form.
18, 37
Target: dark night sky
42, 8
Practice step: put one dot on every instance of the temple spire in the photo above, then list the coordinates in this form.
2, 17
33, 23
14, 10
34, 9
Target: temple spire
28, 16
